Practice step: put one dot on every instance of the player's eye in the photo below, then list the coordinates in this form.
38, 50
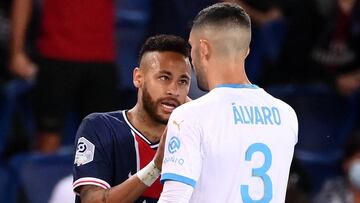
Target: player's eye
184, 82
164, 77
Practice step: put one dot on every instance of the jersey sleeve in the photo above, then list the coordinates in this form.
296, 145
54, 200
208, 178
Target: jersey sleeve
295, 126
92, 163
182, 154
175, 192
293, 122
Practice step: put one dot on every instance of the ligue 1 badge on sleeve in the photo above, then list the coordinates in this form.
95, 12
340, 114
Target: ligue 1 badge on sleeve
84, 152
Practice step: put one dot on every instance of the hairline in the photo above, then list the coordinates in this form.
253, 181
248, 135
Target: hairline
145, 54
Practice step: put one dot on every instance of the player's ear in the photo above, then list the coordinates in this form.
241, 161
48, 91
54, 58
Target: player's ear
247, 52
204, 49
137, 77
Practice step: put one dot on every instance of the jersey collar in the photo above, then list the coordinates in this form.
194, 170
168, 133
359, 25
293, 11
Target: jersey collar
137, 132
250, 86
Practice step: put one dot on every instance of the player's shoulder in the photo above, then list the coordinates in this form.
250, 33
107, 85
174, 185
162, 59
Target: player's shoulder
103, 115
281, 104
104, 127
103, 123
285, 105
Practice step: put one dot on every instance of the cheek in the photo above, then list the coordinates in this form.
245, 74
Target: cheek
154, 86
184, 92
154, 90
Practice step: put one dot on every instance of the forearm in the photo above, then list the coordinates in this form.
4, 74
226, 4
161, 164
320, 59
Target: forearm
20, 15
126, 192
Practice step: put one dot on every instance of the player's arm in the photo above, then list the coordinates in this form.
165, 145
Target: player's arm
129, 190
159, 156
126, 192
175, 192
183, 143
20, 64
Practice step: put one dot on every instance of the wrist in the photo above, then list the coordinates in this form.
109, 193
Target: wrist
158, 164
17, 53
149, 174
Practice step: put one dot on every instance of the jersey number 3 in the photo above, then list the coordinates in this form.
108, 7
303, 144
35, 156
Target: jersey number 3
259, 172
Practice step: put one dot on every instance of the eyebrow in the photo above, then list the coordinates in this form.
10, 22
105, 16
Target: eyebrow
165, 72
185, 76
169, 73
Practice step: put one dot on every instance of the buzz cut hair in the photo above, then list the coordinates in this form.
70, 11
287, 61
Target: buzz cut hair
222, 14
162, 43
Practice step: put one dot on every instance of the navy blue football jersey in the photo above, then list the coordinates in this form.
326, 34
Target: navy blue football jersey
109, 150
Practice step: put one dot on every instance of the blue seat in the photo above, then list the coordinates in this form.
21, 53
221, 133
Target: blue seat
325, 121
37, 174
5, 179
266, 44
12, 101
131, 25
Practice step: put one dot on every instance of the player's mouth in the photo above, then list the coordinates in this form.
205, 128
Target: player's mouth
169, 105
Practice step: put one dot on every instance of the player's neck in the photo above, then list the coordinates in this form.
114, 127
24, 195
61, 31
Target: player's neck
149, 128
230, 75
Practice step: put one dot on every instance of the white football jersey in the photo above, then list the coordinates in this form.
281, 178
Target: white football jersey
235, 144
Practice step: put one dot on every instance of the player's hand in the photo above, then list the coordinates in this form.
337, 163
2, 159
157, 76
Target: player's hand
158, 159
20, 65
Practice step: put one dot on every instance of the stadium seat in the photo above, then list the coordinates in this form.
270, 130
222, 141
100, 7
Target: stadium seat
267, 41
325, 121
5, 181
37, 174
131, 23
12, 101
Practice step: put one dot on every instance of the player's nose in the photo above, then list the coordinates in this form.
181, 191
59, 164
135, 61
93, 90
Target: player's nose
173, 89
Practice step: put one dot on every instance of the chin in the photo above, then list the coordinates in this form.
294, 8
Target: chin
163, 118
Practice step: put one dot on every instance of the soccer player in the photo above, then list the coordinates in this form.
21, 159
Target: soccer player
236, 143
112, 147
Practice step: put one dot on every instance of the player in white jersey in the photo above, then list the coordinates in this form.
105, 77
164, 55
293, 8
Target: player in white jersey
236, 143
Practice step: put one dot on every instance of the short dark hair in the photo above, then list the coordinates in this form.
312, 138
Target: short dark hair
222, 14
165, 43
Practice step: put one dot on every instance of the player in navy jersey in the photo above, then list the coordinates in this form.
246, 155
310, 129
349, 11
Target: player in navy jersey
111, 147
